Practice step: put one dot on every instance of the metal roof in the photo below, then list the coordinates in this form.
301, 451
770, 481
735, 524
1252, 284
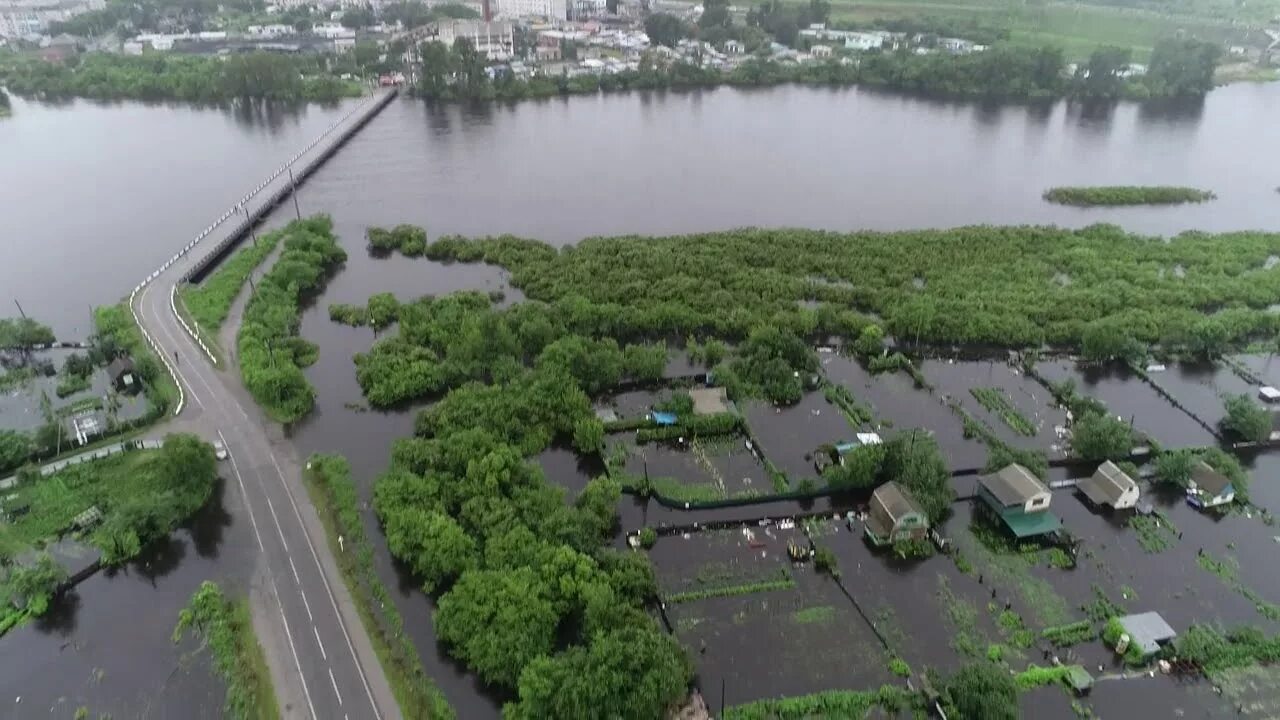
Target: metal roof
1209, 480
1147, 630
1013, 485
1107, 484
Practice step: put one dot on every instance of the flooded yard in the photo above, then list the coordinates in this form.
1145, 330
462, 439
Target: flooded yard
1201, 387
1019, 410
789, 436
703, 469
896, 402
1127, 395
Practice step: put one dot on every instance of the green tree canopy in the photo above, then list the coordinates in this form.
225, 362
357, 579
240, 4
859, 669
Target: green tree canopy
664, 29
1101, 436
982, 690
1246, 418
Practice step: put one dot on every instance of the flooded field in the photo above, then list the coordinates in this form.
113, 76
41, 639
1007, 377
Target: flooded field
1201, 387
798, 633
1265, 367
789, 436
897, 403
1128, 396
698, 470
1019, 410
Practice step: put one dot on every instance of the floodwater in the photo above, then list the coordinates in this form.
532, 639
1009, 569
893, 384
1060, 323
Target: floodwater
107, 646
94, 196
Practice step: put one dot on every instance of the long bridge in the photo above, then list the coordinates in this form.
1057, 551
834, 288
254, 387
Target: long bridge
322, 662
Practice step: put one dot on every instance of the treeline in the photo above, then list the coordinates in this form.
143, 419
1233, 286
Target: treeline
976, 285
271, 354
22, 333
1089, 196
164, 76
459, 72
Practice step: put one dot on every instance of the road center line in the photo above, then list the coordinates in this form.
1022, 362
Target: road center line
323, 654
335, 686
297, 663
243, 492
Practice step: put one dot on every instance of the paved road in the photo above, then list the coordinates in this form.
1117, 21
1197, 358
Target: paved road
322, 662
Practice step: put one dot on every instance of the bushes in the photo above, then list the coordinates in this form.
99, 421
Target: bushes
693, 426
825, 561
829, 704
1246, 418
227, 628
1101, 436
210, 301
995, 402
408, 239
1071, 634
1126, 195
270, 353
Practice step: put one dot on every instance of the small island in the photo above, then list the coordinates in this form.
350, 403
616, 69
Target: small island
1112, 195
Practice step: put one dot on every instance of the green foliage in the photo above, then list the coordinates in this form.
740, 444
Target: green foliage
665, 29
227, 628
210, 301
1126, 195
994, 401
912, 460
1101, 436
914, 549
338, 503
829, 704
644, 362
1000, 455
1154, 534
633, 672
588, 435
648, 536
115, 334
692, 426
785, 582
15, 448
1036, 676
1216, 650
854, 412
498, 622
862, 468
724, 285
32, 586
1173, 467
270, 353
820, 614
899, 667
383, 309
353, 315
825, 561
1107, 339
177, 76
981, 690
1070, 634
410, 240
1246, 418
23, 333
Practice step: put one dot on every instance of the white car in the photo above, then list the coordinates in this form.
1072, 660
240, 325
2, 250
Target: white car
219, 450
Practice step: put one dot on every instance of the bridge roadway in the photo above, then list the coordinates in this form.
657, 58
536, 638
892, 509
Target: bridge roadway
322, 663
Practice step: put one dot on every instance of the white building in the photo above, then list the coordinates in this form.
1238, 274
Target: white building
495, 40
584, 9
270, 31
332, 31
820, 51
32, 17
552, 9
863, 41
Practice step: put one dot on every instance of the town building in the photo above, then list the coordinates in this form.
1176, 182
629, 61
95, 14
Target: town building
820, 51
1019, 500
894, 516
1111, 487
1208, 487
513, 9
123, 375
863, 41
20, 18
733, 47
495, 39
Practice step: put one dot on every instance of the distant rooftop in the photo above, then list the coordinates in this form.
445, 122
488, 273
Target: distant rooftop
1147, 630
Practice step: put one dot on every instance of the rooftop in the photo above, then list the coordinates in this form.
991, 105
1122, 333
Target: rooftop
1013, 485
1209, 480
1147, 630
1025, 525
894, 500
1106, 485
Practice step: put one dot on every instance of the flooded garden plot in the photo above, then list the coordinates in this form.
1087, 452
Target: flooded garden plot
1130, 397
699, 470
789, 436
789, 637
930, 613
568, 469
1200, 388
1019, 410
896, 402
1265, 367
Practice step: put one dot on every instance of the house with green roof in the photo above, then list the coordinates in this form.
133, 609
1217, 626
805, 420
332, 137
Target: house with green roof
1019, 500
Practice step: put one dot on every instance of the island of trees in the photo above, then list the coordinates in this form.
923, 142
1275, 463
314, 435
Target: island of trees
165, 76
1104, 195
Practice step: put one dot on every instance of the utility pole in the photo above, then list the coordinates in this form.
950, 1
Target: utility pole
249, 220
293, 190
20, 312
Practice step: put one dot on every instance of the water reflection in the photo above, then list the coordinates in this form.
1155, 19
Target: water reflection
271, 116
1174, 112
60, 620
208, 525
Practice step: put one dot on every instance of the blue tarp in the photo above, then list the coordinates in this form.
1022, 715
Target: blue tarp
663, 418
844, 447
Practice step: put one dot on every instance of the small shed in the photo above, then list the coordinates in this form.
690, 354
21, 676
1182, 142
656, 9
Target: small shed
1208, 487
1110, 487
1148, 631
1269, 394
123, 375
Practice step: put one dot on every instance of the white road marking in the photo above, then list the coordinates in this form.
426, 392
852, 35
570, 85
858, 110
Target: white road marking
306, 605
335, 686
243, 492
296, 662
295, 572
271, 506
325, 580
323, 654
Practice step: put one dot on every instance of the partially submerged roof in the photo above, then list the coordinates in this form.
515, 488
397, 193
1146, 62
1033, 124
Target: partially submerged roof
895, 501
119, 366
709, 401
1147, 630
1107, 485
663, 418
1079, 679
1209, 480
1013, 485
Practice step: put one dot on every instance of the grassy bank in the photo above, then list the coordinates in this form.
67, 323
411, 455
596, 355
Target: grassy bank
116, 327
226, 628
1112, 195
271, 354
209, 302
328, 481
831, 704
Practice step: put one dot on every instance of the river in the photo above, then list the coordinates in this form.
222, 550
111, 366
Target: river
95, 195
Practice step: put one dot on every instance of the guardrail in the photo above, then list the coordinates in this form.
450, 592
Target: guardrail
370, 107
